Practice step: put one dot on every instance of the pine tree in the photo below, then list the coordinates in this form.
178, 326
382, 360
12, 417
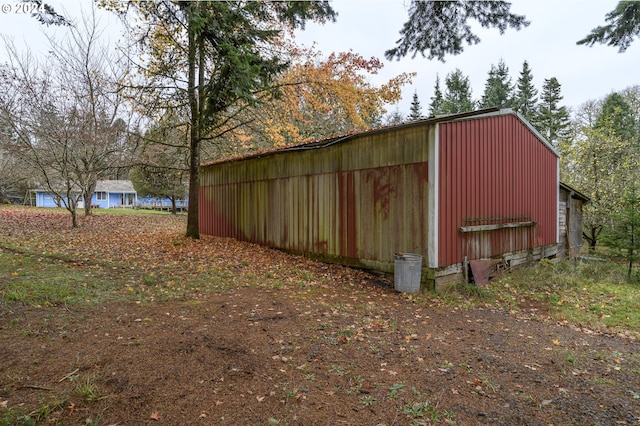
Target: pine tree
526, 97
394, 118
437, 28
498, 91
415, 112
623, 27
552, 120
457, 97
435, 107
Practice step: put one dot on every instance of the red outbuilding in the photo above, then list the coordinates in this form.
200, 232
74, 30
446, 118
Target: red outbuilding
457, 188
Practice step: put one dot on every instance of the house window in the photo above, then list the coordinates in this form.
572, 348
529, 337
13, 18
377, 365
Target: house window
101, 196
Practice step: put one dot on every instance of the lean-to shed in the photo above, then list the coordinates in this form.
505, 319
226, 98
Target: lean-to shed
477, 185
570, 221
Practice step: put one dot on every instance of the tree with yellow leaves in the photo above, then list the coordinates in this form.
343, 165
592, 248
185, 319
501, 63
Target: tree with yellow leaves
319, 98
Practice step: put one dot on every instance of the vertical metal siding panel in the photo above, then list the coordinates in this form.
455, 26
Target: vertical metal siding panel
369, 212
493, 167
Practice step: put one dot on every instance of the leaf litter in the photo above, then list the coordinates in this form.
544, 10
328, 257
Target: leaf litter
216, 331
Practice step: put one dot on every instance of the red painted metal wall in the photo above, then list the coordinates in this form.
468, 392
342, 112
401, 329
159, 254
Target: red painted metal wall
494, 171
356, 202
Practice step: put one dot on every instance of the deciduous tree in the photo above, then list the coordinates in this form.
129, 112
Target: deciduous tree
64, 114
211, 56
161, 169
600, 163
321, 97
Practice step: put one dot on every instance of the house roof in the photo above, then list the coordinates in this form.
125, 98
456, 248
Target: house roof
325, 142
114, 186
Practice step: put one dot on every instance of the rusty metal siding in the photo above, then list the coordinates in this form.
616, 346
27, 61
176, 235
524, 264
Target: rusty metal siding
358, 202
493, 171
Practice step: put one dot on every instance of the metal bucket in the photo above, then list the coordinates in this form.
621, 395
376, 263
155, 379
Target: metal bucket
407, 271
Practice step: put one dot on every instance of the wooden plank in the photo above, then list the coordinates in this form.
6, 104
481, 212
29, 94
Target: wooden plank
480, 228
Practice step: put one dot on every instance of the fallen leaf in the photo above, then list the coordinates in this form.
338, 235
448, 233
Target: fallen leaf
155, 416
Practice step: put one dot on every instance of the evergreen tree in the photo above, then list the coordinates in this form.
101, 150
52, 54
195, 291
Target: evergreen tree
394, 118
437, 28
498, 91
213, 57
623, 27
415, 112
457, 97
624, 232
526, 96
435, 107
552, 120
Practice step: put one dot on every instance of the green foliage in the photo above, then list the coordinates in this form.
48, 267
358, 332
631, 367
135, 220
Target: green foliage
422, 410
617, 117
415, 112
207, 60
624, 232
457, 96
88, 390
552, 120
623, 27
163, 166
437, 28
525, 100
602, 158
593, 293
435, 107
498, 89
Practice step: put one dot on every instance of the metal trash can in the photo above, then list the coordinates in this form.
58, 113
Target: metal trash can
407, 271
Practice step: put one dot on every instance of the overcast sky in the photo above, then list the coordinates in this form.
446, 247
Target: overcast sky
370, 27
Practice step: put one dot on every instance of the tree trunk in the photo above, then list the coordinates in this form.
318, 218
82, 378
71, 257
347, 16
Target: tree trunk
174, 210
193, 230
88, 195
74, 218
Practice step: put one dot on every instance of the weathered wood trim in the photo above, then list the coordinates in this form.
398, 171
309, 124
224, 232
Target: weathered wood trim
481, 228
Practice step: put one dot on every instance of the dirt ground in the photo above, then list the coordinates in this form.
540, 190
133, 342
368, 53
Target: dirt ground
343, 350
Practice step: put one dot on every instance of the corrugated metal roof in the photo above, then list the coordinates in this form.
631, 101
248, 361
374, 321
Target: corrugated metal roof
326, 142
576, 194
